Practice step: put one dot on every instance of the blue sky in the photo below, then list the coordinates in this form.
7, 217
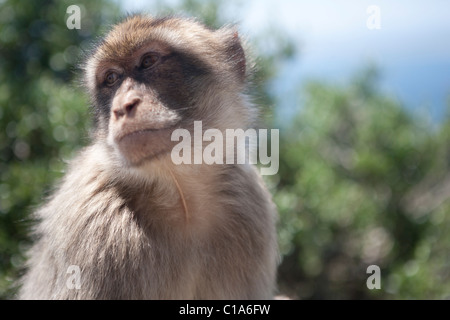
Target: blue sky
412, 48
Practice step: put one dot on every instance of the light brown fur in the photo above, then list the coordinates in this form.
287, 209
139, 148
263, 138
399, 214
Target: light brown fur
158, 230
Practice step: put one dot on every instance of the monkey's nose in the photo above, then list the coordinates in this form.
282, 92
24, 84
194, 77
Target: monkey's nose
128, 108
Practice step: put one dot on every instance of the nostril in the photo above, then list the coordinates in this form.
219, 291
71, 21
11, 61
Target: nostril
118, 113
127, 108
131, 105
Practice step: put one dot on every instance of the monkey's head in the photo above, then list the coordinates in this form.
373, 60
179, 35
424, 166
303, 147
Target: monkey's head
148, 77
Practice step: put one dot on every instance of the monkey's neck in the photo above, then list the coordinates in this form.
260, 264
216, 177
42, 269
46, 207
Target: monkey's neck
182, 198
177, 192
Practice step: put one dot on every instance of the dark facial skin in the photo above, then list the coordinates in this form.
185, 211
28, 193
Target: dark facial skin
145, 97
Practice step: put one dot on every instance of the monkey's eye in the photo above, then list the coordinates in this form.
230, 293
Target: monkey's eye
111, 78
149, 60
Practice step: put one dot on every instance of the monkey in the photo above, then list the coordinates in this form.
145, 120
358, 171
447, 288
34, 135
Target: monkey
134, 224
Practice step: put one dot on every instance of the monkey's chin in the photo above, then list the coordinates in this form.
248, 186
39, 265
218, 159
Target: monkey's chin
140, 147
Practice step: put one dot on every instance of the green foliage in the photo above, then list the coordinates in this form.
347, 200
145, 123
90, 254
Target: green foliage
354, 169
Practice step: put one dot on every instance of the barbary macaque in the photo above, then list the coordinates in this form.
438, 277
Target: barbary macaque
126, 222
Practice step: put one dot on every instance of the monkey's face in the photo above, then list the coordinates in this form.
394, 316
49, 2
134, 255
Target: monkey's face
145, 98
149, 77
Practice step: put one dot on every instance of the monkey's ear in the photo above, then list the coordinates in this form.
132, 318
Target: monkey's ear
236, 54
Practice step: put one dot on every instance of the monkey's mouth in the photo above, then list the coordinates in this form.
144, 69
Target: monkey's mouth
143, 144
137, 133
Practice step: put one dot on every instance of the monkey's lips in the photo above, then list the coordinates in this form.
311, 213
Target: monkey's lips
144, 144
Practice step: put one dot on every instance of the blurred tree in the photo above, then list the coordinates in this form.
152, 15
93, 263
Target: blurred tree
42, 113
355, 188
